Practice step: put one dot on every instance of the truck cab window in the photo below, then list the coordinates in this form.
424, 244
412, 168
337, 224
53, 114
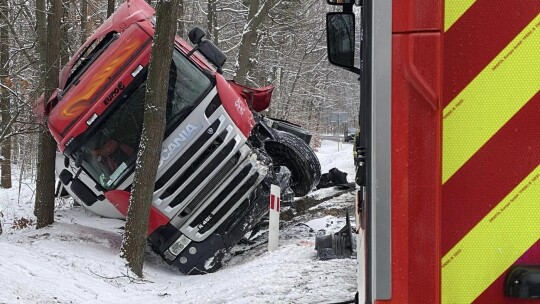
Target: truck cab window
110, 153
187, 87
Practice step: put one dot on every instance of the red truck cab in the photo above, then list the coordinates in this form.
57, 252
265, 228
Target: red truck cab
219, 156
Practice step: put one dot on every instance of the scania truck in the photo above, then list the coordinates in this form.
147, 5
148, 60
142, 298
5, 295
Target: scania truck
219, 154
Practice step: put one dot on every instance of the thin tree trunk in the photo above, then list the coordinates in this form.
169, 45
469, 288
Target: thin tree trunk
134, 243
64, 56
211, 22
84, 19
256, 15
50, 41
110, 8
5, 97
93, 17
41, 31
181, 26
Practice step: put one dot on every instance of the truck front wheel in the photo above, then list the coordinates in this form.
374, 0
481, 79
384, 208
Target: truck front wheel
291, 151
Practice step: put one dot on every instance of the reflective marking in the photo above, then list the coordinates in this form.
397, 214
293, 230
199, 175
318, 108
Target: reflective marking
494, 244
491, 99
454, 9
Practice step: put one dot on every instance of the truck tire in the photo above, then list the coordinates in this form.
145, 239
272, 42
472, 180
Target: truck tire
292, 152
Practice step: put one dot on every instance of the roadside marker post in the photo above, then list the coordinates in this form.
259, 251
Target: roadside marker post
273, 226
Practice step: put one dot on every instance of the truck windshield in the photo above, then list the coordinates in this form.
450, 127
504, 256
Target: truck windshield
109, 154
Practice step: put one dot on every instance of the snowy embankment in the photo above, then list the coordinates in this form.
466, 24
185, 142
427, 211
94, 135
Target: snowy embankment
76, 259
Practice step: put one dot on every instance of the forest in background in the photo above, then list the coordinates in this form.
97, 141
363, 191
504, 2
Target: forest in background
277, 42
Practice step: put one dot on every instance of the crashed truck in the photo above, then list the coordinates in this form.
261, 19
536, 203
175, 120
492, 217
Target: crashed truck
219, 154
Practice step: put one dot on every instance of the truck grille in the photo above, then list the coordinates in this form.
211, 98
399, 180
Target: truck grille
226, 200
186, 156
228, 206
214, 163
209, 178
221, 197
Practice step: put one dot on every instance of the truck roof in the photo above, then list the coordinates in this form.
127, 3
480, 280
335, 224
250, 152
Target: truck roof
101, 68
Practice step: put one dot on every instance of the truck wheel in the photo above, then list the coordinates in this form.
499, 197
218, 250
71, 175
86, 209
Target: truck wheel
292, 152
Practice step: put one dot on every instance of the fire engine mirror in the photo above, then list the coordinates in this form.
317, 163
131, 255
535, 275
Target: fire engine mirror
340, 39
196, 35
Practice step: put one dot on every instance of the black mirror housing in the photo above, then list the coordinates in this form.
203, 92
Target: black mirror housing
212, 54
340, 39
196, 35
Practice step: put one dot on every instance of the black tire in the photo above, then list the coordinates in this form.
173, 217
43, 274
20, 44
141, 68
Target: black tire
292, 152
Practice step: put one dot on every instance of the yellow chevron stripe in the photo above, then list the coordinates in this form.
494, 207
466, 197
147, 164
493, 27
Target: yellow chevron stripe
491, 99
494, 244
454, 9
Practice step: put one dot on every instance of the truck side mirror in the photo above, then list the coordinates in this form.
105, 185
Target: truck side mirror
196, 35
340, 39
211, 52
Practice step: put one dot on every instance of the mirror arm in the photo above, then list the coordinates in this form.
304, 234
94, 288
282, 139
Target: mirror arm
355, 70
193, 50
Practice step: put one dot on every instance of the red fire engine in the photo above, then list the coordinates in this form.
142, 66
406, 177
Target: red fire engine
448, 150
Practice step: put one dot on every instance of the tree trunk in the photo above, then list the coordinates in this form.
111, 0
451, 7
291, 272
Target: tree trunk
84, 20
181, 26
211, 21
93, 16
134, 243
5, 96
49, 41
65, 25
246, 51
110, 8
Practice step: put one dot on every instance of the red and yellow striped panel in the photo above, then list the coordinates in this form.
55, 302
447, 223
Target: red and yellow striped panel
490, 147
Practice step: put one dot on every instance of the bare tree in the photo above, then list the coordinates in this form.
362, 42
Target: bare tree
84, 20
50, 42
5, 98
212, 22
134, 243
181, 26
110, 7
257, 13
64, 55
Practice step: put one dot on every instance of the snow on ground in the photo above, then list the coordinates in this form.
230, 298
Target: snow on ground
339, 155
76, 260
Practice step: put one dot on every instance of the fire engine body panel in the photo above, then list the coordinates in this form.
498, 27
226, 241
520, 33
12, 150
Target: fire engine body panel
464, 170
214, 174
490, 150
464, 185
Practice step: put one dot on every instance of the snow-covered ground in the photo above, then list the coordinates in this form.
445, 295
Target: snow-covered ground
76, 260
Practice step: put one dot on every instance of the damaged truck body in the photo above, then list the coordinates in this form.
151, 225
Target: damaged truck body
219, 155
